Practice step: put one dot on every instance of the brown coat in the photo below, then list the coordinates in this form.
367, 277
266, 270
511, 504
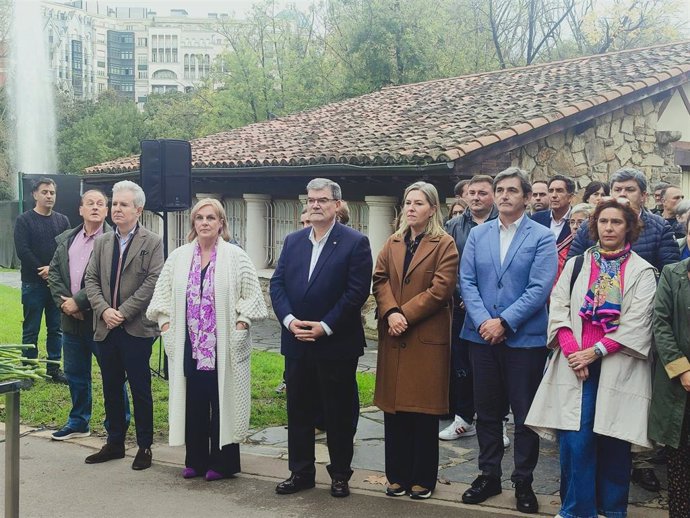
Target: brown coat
413, 369
139, 275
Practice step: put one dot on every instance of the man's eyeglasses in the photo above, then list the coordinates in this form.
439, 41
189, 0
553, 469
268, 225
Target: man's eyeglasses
320, 201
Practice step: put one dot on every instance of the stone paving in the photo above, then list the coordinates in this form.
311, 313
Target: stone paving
457, 459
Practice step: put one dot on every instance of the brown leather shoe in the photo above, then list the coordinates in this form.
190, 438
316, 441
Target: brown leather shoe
108, 452
142, 460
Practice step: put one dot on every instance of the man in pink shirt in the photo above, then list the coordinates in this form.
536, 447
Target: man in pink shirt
66, 282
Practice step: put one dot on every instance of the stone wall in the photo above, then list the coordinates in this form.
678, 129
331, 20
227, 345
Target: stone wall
594, 150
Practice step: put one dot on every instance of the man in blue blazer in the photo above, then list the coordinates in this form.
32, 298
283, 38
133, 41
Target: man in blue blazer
508, 268
320, 284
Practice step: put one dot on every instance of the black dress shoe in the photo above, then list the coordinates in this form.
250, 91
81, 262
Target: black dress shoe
646, 478
340, 488
108, 452
294, 484
526, 499
57, 376
482, 488
142, 460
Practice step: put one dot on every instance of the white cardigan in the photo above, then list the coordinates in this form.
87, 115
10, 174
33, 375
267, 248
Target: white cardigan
238, 297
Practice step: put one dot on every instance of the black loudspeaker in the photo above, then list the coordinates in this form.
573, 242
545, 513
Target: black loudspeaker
166, 174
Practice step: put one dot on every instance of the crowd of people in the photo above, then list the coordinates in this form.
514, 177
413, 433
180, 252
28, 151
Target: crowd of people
572, 317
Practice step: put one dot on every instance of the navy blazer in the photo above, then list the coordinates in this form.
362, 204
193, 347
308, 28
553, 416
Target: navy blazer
544, 217
516, 290
335, 293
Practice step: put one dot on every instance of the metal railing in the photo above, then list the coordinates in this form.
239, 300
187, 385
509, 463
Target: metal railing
236, 211
359, 216
282, 219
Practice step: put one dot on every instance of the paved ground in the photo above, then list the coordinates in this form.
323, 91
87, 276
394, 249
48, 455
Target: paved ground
265, 453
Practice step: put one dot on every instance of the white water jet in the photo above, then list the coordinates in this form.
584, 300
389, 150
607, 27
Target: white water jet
31, 91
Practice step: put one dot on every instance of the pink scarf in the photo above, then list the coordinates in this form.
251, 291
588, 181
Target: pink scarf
201, 312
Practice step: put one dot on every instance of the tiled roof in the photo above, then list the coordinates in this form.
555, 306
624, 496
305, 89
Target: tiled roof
436, 121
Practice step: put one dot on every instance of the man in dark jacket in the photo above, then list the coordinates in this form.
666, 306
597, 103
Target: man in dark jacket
66, 282
657, 246
34, 239
481, 209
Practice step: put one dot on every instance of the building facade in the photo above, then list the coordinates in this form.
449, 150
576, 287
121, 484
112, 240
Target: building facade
133, 51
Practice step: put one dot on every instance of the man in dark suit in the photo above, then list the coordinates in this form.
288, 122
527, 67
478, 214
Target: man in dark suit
319, 286
561, 192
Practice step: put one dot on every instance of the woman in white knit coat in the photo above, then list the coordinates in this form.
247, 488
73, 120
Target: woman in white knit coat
205, 301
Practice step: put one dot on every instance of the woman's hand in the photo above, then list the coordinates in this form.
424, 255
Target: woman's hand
580, 359
165, 327
397, 324
241, 326
582, 374
685, 380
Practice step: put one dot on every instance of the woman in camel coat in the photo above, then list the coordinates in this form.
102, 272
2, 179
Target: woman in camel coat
414, 280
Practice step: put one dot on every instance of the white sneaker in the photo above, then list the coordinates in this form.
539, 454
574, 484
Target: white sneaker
456, 429
506, 439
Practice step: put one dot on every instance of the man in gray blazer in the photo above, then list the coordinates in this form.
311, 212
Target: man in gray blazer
120, 279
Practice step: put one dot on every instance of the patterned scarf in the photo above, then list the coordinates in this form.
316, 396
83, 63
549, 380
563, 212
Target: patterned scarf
602, 304
201, 312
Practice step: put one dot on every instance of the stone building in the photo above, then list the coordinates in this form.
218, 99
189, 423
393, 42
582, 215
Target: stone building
584, 117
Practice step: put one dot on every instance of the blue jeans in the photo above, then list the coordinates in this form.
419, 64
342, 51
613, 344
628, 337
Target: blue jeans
77, 351
595, 469
36, 299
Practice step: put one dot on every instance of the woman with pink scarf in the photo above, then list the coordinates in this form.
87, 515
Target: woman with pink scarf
205, 301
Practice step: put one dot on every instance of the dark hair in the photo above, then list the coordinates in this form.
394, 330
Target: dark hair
630, 173
457, 190
569, 184
593, 187
535, 182
514, 172
43, 180
660, 186
633, 223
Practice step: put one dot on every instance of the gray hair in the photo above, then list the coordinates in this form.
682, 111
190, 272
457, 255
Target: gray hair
322, 183
126, 185
682, 208
515, 172
665, 190
630, 173
583, 207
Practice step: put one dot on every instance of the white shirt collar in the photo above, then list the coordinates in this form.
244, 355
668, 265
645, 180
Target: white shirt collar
514, 225
312, 237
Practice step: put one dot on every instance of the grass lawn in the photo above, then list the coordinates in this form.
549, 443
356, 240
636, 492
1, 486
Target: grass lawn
48, 404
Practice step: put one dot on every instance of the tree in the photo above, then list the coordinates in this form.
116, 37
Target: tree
624, 24
108, 129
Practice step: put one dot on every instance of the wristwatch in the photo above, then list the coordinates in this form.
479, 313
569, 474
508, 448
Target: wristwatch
598, 351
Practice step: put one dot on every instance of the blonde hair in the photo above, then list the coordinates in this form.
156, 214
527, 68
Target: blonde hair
434, 227
220, 213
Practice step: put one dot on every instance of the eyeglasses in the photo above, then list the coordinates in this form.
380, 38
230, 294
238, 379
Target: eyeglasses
320, 201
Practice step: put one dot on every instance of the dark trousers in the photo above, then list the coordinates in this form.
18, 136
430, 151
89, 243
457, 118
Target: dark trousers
308, 379
679, 472
125, 357
202, 427
506, 376
36, 299
320, 420
461, 389
411, 449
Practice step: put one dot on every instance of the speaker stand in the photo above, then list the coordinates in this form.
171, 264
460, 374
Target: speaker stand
162, 370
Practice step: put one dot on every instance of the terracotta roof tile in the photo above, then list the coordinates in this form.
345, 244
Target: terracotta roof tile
439, 120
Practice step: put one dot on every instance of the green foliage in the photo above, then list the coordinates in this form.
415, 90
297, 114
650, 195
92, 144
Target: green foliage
108, 129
